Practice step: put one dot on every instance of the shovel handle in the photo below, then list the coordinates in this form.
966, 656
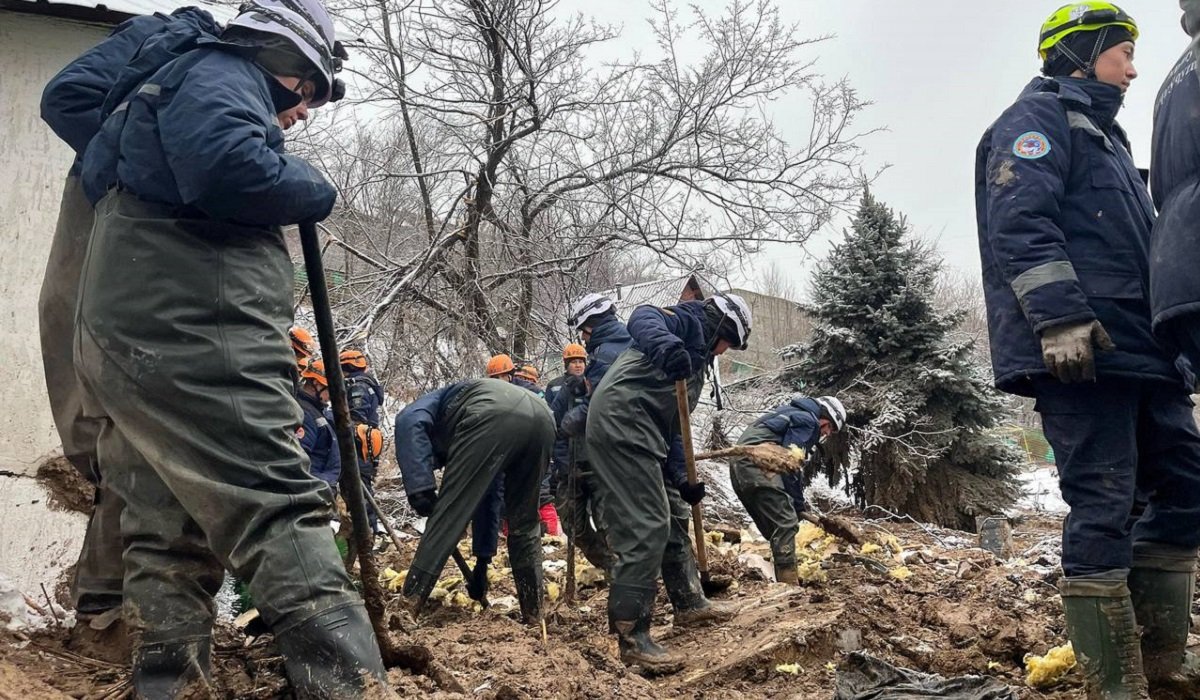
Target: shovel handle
689, 458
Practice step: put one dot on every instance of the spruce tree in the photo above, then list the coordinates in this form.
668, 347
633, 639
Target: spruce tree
922, 439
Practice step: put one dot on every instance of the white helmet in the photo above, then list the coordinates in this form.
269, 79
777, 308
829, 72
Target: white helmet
590, 305
833, 410
735, 308
307, 26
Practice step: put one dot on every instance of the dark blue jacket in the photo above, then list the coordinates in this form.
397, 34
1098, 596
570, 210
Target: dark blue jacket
202, 134
658, 332
422, 445
73, 99
319, 441
1175, 183
609, 338
364, 395
1064, 232
798, 423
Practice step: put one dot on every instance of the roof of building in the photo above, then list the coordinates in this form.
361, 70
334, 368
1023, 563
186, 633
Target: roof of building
655, 293
113, 11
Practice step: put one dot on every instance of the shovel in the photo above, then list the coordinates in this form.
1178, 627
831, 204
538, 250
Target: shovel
711, 585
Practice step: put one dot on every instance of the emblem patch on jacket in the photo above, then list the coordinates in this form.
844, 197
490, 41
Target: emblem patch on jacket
1031, 145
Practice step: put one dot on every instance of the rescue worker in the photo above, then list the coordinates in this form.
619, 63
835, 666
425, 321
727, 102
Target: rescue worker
501, 367
72, 104
574, 361
303, 344
529, 373
1064, 230
317, 436
181, 339
475, 431
594, 318
1162, 579
365, 397
773, 500
632, 422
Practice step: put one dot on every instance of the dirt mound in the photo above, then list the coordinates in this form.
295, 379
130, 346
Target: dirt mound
68, 489
919, 598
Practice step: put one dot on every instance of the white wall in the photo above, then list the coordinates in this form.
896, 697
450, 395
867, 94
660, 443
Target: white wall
36, 542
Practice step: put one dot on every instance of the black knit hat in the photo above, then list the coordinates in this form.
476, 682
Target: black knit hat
1080, 50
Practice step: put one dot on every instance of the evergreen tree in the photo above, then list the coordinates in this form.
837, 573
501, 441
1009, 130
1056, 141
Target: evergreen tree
922, 439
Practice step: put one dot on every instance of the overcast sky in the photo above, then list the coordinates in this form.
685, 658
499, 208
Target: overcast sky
939, 72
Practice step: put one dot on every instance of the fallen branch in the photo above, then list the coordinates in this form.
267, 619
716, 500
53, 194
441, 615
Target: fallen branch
767, 456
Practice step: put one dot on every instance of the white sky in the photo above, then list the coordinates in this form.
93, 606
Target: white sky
938, 72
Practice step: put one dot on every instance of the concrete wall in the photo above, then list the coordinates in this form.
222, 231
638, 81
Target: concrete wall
36, 541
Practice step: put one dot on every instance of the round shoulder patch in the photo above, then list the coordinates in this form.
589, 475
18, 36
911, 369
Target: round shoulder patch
1031, 145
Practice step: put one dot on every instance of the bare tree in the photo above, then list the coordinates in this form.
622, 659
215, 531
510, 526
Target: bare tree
503, 172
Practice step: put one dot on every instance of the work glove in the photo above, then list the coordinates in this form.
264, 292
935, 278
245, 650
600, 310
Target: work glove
423, 502
574, 423
692, 493
677, 364
477, 585
1069, 353
575, 385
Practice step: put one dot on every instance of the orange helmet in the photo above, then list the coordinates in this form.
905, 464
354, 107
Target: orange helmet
574, 351
314, 370
302, 342
500, 365
529, 373
353, 358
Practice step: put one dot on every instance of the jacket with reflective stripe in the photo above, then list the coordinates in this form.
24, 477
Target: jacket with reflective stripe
1064, 231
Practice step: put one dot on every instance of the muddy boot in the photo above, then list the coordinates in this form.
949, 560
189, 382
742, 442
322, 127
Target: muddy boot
528, 580
417, 587
629, 611
1101, 627
692, 607
334, 655
1161, 585
787, 573
102, 636
175, 669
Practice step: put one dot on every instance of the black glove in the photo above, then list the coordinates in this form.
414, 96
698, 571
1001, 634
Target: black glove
575, 385
677, 364
692, 493
423, 502
477, 585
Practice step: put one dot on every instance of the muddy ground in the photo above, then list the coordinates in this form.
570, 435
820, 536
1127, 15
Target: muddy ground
918, 597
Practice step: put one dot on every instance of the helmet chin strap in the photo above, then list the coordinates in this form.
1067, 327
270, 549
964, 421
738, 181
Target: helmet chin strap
1089, 68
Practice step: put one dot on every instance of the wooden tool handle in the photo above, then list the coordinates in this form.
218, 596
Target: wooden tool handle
689, 457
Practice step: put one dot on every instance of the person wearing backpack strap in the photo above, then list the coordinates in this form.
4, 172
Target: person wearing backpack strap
72, 105
182, 338
365, 396
1065, 224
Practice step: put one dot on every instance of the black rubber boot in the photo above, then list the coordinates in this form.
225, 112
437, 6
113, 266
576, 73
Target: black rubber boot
1161, 585
692, 607
173, 669
1101, 627
629, 612
334, 655
528, 580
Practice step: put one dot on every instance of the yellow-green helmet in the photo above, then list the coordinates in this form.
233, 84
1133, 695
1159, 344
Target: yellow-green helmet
1082, 17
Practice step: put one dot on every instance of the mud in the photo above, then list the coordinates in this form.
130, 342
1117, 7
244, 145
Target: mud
927, 599
68, 489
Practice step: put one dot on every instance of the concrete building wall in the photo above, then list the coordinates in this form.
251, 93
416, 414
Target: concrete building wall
37, 542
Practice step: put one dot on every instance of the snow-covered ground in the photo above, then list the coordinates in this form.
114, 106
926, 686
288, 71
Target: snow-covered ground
1040, 490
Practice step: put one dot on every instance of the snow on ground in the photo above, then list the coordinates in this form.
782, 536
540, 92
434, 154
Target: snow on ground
1040, 490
